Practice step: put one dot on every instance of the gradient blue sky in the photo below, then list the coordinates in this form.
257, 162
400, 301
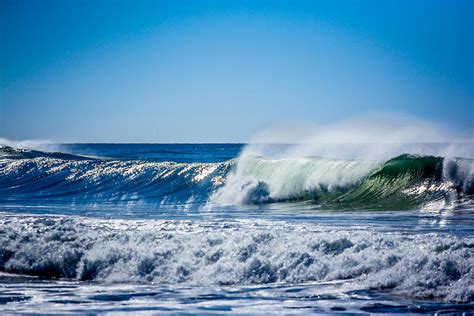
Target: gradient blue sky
219, 71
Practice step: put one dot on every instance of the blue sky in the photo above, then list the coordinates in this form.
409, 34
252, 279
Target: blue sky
220, 71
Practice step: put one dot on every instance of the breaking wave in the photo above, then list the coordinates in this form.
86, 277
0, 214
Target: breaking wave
401, 182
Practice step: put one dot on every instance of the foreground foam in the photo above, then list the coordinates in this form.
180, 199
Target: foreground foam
236, 253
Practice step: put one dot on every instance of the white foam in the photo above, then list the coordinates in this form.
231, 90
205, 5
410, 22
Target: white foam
237, 253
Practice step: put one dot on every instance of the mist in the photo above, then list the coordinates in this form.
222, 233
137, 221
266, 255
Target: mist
35, 144
374, 138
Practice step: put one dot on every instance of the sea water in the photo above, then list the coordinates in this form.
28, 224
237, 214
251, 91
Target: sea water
181, 228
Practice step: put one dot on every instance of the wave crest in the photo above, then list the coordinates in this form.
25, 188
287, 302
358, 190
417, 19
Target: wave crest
402, 182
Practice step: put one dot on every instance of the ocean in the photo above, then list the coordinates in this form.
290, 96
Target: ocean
235, 228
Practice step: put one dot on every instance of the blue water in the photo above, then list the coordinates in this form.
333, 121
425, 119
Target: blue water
158, 152
217, 228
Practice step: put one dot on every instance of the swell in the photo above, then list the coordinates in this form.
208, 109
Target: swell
402, 182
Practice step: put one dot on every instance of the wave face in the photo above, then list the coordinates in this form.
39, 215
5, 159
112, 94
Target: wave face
31, 175
402, 182
237, 253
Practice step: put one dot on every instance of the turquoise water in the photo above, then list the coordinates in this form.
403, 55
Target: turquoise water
177, 228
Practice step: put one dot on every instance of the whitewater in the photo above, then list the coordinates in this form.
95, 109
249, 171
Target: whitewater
217, 228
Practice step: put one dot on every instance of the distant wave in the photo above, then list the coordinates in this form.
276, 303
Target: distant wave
236, 253
402, 182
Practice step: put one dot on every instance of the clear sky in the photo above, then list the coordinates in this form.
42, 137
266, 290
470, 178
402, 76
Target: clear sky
219, 71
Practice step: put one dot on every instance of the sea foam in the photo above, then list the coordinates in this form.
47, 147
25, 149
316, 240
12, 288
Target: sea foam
420, 265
